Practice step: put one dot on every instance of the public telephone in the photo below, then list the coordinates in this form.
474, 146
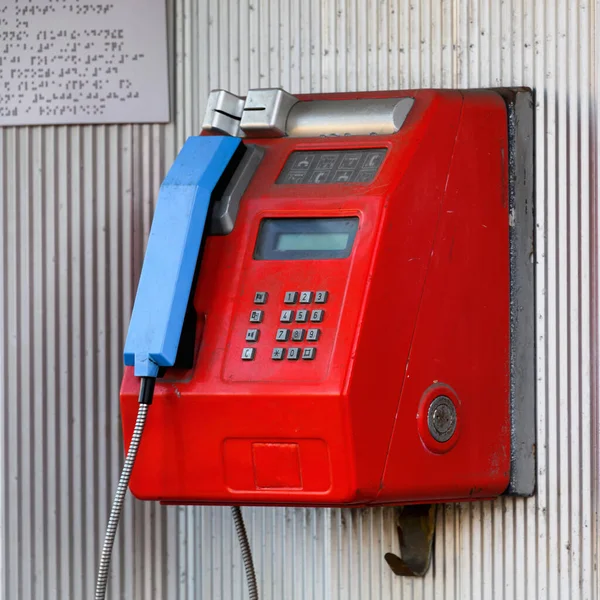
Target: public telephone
337, 300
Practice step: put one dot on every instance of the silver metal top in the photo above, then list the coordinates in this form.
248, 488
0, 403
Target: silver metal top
223, 113
275, 113
321, 118
266, 112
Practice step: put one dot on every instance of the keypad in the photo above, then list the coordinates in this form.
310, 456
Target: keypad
278, 353
260, 297
283, 335
293, 354
252, 335
309, 353
310, 335
256, 316
287, 316
302, 316
316, 316
248, 353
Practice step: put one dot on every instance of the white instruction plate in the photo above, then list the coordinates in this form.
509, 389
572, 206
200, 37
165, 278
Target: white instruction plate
83, 61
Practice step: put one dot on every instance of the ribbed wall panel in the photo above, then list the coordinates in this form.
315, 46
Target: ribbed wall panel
76, 206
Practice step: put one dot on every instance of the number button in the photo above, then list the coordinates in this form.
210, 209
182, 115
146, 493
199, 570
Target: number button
248, 353
278, 354
297, 335
252, 335
321, 297
290, 298
309, 353
316, 316
312, 335
306, 297
282, 335
287, 316
302, 316
293, 354
256, 316
260, 297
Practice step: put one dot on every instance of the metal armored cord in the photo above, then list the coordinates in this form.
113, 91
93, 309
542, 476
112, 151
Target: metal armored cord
146, 392
240, 528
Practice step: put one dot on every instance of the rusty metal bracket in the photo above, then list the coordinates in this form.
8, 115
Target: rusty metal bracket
416, 531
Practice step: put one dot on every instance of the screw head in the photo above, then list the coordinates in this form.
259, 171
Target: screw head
441, 418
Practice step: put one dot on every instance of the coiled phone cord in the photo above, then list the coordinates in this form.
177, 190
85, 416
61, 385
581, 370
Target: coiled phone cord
145, 399
240, 528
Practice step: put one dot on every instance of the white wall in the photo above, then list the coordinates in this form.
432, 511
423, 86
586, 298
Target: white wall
76, 204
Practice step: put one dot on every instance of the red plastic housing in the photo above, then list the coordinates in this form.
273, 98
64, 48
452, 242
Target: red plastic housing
420, 308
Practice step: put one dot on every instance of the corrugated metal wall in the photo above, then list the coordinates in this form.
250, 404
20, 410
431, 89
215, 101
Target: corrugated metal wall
76, 205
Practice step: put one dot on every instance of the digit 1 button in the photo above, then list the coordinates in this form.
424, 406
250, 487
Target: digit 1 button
278, 353
302, 316
287, 316
260, 297
293, 354
309, 353
297, 335
290, 298
248, 353
252, 335
312, 335
256, 316
316, 316
282, 335
306, 297
321, 297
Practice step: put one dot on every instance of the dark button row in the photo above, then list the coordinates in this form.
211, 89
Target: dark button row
319, 297
297, 335
280, 353
287, 316
294, 353
306, 297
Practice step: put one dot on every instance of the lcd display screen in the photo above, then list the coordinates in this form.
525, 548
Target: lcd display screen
311, 241
304, 239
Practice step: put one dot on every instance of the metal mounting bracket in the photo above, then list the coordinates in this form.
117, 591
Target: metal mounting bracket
416, 532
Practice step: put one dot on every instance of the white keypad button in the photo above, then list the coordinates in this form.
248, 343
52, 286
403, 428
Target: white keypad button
260, 298
316, 316
312, 335
290, 298
309, 353
297, 335
287, 316
302, 316
256, 316
321, 297
306, 297
248, 353
293, 354
283, 335
278, 353
252, 335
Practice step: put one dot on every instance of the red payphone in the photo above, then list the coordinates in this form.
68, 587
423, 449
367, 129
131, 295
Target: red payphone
361, 327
